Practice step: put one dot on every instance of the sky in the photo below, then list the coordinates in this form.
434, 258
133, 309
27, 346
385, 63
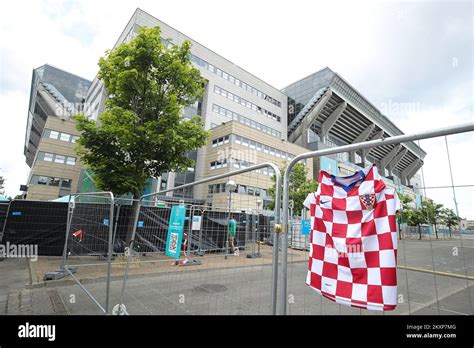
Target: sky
412, 59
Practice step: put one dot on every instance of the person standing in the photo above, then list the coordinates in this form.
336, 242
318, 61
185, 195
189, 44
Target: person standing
231, 232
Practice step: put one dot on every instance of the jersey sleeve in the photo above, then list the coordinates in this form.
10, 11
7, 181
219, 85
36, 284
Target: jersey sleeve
397, 201
393, 200
310, 198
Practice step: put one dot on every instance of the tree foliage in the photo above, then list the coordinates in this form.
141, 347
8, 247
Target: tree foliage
299, 186
142, 132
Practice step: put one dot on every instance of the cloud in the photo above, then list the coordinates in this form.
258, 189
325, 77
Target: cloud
411, 60
12, 162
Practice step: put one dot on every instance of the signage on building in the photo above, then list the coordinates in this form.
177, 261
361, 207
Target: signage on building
329, 165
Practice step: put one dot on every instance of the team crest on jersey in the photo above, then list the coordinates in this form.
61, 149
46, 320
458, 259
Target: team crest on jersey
367, 201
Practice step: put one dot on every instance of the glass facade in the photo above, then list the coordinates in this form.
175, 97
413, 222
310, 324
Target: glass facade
64, 88
301, 92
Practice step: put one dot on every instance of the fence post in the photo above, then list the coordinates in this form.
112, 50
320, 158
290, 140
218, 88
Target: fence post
110, 250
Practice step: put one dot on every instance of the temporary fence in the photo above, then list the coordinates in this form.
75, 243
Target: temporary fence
172, 254
4, 207
435, 271
88, 248
181, 259
35, 223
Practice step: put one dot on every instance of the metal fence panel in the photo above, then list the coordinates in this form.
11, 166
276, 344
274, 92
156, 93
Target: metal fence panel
210, 276
434, 266
89, 244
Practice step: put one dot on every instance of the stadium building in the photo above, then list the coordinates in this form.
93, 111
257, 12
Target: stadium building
250, 117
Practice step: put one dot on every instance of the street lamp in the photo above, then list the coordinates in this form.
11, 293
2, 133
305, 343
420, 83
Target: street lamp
230, 187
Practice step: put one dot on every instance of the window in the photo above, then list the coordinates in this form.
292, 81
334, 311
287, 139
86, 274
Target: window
246, 103
74, 138
71, 161
66, 183
65, 137
48, 157
42, 180
59, 159
53, 134
241, 189
54, 181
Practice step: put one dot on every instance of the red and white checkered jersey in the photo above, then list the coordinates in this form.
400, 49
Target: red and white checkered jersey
353, 253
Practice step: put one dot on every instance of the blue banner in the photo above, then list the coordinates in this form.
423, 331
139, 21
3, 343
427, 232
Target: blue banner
306, 227
329, 165
175, 231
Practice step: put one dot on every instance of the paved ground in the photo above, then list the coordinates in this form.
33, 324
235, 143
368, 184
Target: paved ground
431, 280
17, 296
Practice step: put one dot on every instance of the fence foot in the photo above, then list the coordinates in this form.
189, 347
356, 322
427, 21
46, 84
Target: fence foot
56, 275
188, 262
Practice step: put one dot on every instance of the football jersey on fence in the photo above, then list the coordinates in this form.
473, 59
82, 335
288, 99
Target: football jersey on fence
353, 250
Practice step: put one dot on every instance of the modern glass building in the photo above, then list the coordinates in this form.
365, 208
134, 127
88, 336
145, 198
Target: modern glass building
55, 96
247, 114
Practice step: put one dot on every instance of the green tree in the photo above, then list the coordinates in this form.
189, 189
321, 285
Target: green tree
450, 219
299, 186
416, 217
404, 213
142, 132
432, 211
406, 207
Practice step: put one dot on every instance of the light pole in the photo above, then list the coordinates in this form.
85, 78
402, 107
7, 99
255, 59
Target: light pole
230, 187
